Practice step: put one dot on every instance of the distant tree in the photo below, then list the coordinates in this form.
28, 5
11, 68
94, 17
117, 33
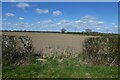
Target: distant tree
63, 30
88, 30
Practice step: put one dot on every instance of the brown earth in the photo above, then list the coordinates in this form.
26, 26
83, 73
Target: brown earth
54, 40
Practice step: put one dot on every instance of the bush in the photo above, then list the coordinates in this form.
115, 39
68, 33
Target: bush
15, 48
101, 50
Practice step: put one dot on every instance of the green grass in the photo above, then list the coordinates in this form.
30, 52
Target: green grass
54, 69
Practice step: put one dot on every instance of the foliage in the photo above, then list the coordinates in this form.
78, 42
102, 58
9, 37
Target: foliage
101, 50
15, 48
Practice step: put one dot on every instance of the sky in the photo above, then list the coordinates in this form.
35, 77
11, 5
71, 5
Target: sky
53, 16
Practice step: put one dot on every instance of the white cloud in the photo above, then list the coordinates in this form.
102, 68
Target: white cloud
9, 22
21, 18
12, 0
113, 24
48, 21
32, 24
81, 24
38, 22
64, 21
16, 24
58, 23
85, 22
22, 5
116, 26
90, 22
98, 28
42, 11
9, 14
100, 22
89, 18
23, 25
79, 21
57, 13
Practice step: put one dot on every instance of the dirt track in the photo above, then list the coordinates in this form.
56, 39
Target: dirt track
43, 40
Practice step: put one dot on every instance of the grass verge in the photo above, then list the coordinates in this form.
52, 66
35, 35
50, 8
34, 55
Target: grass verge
52, 68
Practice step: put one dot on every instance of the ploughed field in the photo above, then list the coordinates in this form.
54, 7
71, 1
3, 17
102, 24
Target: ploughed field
41, 41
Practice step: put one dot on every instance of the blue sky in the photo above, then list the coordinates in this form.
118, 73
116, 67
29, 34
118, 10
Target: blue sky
52, 16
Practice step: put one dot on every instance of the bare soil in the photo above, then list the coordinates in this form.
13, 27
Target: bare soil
43, 40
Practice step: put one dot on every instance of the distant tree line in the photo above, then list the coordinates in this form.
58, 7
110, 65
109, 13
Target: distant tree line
64, 31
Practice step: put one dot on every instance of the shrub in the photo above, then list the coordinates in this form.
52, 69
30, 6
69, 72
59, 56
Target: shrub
101, 50
15, 48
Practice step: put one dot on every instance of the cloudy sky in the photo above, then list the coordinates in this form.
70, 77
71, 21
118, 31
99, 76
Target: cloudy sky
52, 16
